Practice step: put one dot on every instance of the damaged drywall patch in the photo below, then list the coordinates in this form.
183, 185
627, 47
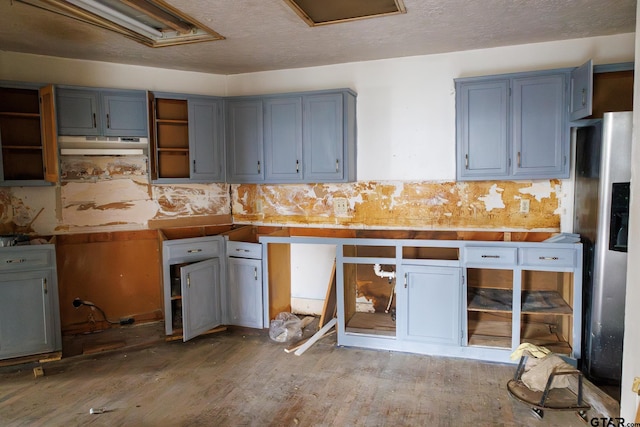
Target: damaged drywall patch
418, 205
121, 201
102, 167
191, 199
493, 200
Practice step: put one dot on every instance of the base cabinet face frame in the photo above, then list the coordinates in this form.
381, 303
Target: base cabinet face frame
193, 293
29, 305
537, 287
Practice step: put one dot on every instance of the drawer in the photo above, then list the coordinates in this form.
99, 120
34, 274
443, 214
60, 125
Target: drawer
548, 257
244, 250
16, 259
488, 255
194, 250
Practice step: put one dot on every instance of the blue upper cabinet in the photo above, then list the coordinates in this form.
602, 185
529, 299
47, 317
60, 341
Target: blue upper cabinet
539, 127
244, 140
283, 139
205, 139
512, 126
483, 129
101, 112
125, 113
582, 91
78, 112
292, 138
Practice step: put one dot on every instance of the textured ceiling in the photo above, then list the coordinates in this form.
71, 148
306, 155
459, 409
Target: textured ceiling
267, 34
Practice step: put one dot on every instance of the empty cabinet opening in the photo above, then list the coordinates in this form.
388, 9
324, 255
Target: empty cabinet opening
365, 251
369, 300
449, 254
489, 307
547, 310
176, 296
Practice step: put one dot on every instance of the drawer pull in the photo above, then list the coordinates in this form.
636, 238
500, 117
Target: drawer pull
15, 261
490, 256
194, 251
242, 250
548, 258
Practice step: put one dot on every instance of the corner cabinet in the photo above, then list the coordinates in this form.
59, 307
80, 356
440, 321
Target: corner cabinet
292, 138
29, 307
101, 112
192, 277
186, 138
27, 135
513, 126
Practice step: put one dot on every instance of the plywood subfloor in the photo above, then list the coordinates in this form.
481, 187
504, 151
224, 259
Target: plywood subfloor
241, 378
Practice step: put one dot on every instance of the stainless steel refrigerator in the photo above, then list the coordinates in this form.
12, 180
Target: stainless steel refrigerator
602, 181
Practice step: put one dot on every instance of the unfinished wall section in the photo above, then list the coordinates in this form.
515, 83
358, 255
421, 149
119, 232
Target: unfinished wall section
486, 205
102, 194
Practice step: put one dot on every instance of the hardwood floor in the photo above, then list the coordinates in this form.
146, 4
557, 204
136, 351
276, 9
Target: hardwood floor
242, 378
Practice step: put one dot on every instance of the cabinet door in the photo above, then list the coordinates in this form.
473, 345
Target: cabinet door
49, 134
205, 140
433, 304
283, 139
245, 292
125, 113
26, 322
582, 91
323, 138
244, 139
200, 284
482, 127
539, 133
77, 112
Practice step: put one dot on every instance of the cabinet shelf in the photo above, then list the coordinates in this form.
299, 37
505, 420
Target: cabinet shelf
173, 121
23, 115
533, 302
21, 147
489, 299
173, 150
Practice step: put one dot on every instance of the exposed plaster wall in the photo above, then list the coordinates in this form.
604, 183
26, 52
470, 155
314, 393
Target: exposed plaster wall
414, 205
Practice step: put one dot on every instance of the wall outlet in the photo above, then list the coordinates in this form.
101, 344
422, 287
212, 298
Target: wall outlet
340, 206
524, 205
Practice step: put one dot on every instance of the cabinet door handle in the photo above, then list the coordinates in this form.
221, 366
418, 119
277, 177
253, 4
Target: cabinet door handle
15, 261
44, 285
258, 166
188, 280
94, 120
194, 251
490, 256
337, 165
297, 166
108, 121
584, 96
548, 258
519, 162
466, 161
255, 273
194, 165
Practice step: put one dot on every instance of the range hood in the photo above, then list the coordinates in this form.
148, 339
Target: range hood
102, 146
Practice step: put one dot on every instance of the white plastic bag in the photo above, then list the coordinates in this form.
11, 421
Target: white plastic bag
285, 327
